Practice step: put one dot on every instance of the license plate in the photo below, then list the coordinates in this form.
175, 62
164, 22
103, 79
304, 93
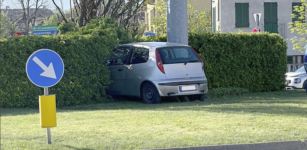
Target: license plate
188, 88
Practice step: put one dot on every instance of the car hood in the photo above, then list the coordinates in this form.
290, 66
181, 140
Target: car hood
291, 74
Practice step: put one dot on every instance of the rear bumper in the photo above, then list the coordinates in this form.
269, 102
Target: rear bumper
172, 87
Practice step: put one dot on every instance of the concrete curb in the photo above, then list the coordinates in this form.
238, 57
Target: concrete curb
287, 145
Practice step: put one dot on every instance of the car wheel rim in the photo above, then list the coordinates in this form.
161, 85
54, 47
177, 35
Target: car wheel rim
149, 93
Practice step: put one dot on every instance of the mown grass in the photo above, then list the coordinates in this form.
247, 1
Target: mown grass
251, 118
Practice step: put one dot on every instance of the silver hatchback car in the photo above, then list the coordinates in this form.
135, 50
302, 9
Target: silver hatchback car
152, 70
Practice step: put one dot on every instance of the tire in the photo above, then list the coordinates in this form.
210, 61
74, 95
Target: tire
200, 97
150, 94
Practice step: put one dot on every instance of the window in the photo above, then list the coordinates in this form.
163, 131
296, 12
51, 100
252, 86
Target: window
270, 17
289, 59
119, 56
171, 55
297, 15
139, 55
242, 15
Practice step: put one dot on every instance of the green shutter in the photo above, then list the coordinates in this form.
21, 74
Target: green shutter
294, 12
297, 14
238, 15
245, 15
270, 17
242, 15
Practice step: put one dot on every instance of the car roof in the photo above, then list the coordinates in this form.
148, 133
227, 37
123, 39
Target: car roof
154, 44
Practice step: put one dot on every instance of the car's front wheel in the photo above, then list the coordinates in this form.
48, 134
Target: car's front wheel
150, 94
200, 97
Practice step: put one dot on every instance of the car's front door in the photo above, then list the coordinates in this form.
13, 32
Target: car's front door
117, 68
136, 70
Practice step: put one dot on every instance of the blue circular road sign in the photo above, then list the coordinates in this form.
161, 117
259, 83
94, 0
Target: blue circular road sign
45, 68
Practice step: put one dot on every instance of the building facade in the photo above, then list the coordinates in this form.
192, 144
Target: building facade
238, 15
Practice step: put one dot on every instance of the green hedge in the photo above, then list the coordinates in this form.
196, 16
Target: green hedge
85, 78
256, 62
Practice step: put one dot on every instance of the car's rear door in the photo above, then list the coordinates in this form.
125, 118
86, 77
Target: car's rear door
180, 62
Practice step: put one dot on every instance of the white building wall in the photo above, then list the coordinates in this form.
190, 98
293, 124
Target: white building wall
284, 9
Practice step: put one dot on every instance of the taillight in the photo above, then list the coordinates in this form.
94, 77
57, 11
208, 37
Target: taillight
199, 58
159, 61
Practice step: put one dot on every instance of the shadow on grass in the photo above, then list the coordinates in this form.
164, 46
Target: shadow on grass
269, 102
18, 111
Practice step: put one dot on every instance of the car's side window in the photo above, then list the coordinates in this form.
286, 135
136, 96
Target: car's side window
139, 55
118, 56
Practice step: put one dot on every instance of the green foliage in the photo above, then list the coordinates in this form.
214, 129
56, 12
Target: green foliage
52, 20
67, 27
162, 38
220, 92
85, 78
6, 25
159, 22
198, 22
104, 26
256, 62
299, 26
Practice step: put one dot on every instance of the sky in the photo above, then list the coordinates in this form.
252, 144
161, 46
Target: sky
13, 4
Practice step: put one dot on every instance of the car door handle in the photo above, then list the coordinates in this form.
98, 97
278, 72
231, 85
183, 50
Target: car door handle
120, 69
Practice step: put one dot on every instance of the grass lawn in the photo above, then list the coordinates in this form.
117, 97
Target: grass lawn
255, 117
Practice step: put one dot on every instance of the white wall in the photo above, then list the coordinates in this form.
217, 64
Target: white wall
284, 9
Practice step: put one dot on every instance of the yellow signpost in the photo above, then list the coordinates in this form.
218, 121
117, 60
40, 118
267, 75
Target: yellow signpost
47, 109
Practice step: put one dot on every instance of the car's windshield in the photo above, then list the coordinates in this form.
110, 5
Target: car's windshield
302, 69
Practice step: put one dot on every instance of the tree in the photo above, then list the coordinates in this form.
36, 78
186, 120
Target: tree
1, 3
160, 23
52, 20
299, 26
124, 12
6, 25
197, 21
29, 14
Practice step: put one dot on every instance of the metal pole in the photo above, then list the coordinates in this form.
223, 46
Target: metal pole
48, 129
257, 22
177, 21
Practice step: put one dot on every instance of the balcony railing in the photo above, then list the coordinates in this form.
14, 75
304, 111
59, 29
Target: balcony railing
294, 67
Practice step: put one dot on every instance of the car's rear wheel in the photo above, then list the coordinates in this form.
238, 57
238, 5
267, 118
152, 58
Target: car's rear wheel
150, 94
200, 97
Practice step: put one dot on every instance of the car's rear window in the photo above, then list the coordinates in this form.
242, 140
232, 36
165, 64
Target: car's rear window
171, 55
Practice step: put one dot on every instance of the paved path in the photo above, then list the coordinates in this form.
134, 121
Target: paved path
287, 145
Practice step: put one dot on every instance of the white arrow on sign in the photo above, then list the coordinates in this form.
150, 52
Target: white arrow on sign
48, 71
